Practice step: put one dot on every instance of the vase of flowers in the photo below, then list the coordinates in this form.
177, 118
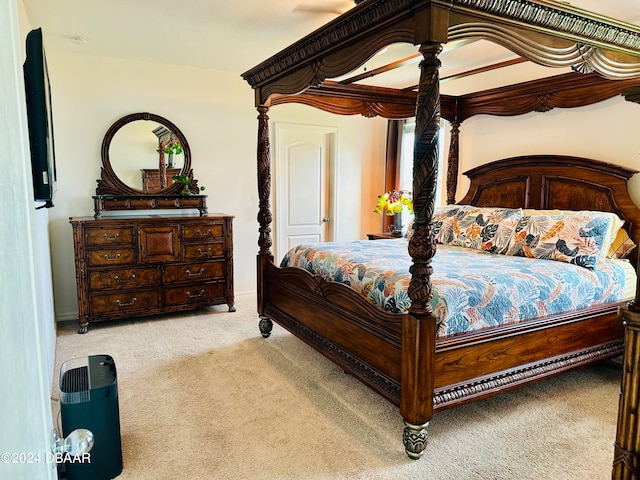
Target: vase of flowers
392, 203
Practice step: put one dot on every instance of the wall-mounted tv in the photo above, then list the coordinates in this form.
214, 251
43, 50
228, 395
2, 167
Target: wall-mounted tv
40, 119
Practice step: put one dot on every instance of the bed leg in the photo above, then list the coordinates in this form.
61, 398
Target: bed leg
414, 438
265, 325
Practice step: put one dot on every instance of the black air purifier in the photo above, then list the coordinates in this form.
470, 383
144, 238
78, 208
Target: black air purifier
89, 399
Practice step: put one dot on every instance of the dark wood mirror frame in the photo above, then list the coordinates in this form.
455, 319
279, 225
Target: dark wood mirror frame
113, 194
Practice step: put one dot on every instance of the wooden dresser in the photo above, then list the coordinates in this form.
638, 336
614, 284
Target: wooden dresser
143, 265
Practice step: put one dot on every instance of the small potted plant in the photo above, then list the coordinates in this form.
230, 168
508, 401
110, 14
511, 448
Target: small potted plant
184, 180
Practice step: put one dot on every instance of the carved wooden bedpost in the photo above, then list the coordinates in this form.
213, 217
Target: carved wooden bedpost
264, 183
264, 212
453, 162
162, 166
419, 325
626, 460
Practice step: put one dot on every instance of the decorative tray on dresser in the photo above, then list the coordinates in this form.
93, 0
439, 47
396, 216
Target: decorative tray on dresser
131, 266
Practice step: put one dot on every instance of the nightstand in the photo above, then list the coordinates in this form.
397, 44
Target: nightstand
382, 236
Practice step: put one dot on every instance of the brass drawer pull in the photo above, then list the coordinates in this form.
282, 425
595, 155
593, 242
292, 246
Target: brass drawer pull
193, 295
108, 238
111, 259
124, 280
188, 272
122, 304
205, 234
206, 253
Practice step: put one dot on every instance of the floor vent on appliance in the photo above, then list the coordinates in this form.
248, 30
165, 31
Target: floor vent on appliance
74, 385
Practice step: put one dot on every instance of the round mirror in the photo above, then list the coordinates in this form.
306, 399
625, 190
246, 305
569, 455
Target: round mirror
141, 153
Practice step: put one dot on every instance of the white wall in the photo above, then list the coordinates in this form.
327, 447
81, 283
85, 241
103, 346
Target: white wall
41, 255
214, 110
27, 329
606, 131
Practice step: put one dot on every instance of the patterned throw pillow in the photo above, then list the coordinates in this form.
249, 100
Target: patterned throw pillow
614, 228
578, 239
444, 219
482, 228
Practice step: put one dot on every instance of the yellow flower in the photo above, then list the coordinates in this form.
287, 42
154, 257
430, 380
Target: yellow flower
394, 201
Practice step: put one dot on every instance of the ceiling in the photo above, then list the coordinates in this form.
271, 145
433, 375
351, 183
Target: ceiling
235, 36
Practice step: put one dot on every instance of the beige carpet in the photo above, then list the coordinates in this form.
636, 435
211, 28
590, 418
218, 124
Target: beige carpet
204, 396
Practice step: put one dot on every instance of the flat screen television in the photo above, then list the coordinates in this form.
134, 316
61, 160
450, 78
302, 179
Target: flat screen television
40, 119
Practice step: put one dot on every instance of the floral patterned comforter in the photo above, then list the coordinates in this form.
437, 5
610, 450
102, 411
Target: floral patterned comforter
472, 289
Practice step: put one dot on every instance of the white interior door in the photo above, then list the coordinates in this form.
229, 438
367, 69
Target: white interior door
303, 209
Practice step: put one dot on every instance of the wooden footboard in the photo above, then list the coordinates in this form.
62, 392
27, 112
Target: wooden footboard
366, 341
483, 363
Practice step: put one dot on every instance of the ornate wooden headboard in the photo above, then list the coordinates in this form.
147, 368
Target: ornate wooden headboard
556, 182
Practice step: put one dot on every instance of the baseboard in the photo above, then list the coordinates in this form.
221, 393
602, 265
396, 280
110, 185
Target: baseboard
67, 317
73, 316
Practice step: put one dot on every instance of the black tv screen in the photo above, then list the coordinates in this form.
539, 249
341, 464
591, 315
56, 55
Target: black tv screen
40, 119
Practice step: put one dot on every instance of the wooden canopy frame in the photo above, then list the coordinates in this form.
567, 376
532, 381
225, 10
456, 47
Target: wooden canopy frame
567, 90
549, 33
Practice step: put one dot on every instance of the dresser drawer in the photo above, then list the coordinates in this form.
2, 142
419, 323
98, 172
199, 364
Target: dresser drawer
123, 278
203, 231
109, 236
124, 301
114, 256
193, 272
203, 251
196, 293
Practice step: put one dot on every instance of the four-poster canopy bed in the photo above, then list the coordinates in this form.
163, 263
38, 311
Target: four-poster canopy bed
402, 356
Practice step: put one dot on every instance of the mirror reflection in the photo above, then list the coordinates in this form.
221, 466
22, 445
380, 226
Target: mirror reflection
145, 155
141, 152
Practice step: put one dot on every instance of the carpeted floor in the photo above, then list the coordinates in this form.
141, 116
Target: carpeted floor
204, 396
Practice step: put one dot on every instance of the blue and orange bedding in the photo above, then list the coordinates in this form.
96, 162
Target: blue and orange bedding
472, 289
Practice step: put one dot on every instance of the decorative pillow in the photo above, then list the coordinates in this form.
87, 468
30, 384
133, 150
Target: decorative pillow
482, 228
444, 219
616, 222
622, 245
578, 238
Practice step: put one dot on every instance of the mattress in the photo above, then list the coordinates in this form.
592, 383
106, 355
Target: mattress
472, 289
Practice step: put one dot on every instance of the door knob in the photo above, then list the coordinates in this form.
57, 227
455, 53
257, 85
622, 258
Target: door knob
325, 219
